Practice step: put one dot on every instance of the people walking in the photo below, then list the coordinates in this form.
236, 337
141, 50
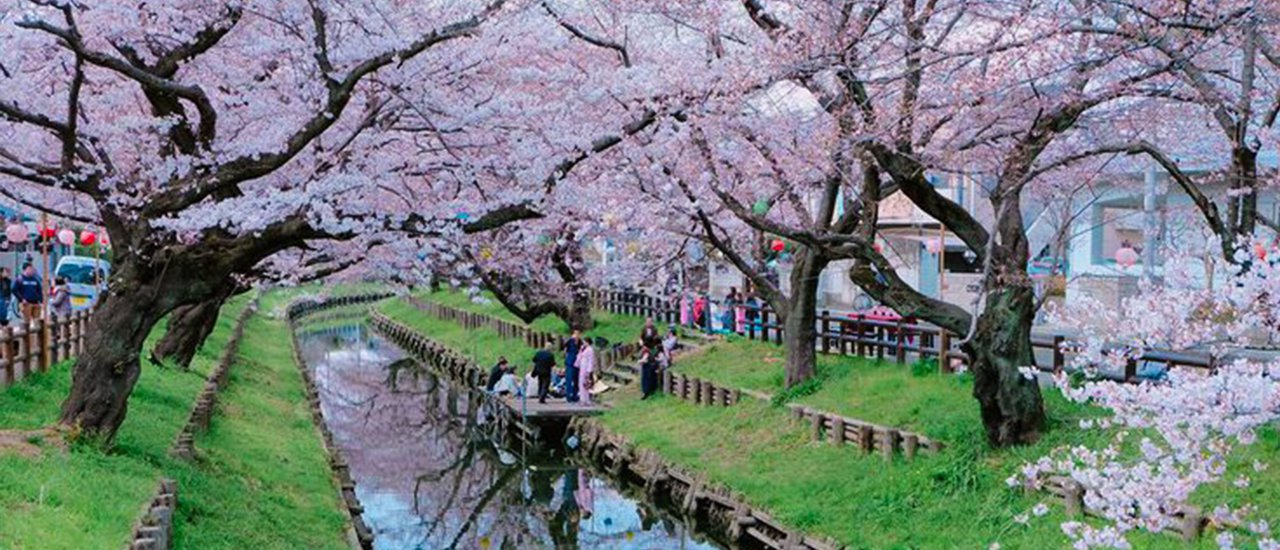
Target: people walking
30, 293
6, 296
586, 367
60, 300
650, 353
543, 362
495, 373
571, 347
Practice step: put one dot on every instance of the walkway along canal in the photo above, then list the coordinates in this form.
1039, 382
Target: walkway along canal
433, 470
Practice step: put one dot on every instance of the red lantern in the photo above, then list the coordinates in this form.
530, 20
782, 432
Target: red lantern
1260, 252
87, 238
877, 247
48, 232
778, 245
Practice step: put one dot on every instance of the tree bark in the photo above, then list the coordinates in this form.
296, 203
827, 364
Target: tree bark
189, 326
106, 372
1011, 405
801, 317
579, 313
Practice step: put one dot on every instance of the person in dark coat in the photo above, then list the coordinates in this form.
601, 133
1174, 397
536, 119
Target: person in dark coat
648, 371
6, 296
571, 347
29, 291
495, 373
543, 362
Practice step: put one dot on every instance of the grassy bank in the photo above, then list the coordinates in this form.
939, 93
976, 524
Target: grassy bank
610, 326
87, 497
958, 499
261, 479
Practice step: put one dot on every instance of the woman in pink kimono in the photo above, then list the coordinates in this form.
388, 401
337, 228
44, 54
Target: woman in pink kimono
586, 364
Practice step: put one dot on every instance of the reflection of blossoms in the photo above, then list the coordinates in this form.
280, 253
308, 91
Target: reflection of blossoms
1176, 435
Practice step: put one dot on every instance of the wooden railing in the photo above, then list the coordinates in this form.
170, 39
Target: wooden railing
33, 347
607, 358
855, 334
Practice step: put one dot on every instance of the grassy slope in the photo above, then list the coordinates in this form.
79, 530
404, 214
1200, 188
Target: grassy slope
262, 479
612, 327
88, 498
957, 499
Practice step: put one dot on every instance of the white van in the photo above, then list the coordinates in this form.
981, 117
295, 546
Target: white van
79, 271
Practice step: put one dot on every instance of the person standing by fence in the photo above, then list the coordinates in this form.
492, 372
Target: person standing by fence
30, 293
543, 362
571, 347
586, 367
650, 352
6, 296
60, 300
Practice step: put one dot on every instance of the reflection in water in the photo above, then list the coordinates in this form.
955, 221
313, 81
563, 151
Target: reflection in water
429, 475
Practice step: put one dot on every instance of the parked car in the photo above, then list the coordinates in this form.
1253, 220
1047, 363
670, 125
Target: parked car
81, 273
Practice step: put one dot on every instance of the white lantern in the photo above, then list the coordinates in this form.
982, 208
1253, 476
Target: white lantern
67, 237
16, 233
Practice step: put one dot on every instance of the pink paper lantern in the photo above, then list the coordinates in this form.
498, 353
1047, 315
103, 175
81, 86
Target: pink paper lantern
67, 237
87, 238
1126, 257
16, 233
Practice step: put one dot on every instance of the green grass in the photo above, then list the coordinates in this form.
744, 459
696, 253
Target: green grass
88, 497
612, 327
261, 480
958, 499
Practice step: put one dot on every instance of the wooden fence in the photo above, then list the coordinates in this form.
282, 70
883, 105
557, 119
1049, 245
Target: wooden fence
855, 334
697, 390
33, 347
606, 359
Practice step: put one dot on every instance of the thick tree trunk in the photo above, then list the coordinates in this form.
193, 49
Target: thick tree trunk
187, 330
1011, 405
107, 370
579, 313
801, 315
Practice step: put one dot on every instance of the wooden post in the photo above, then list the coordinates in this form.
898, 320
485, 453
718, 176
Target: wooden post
837, 430
826, 330
944, 350
1058, 357
901, 341
1131, 370
910, 444
857, 336
1073, 497
815, 425
764, 325
6, 354
34, 349
1192, 523
890, 444
865, 433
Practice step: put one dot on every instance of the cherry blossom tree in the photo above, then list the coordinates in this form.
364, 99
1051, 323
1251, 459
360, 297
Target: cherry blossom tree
208, 137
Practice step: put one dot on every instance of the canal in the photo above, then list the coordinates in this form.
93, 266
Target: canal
432, 473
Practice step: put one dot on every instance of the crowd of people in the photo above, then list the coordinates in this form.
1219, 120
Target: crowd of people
25, 296
732, 314
577, 380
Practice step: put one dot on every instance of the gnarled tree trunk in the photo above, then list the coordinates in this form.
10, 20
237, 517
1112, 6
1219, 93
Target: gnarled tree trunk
188, 327
1011, 405
800, 317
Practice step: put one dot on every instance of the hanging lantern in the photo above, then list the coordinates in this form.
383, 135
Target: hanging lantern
67, 237
16, 233
934, 246
105, 240
48, 231
760, 208
1260, 252
778, 245
1126, 257
87, 238
879, 248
